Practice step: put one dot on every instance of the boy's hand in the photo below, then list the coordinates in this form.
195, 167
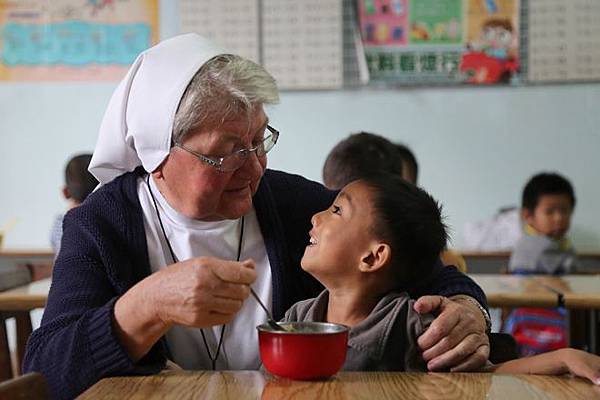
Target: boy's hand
558, 362
581, 363
456, 339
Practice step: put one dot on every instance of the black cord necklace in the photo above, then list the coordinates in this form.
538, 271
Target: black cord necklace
213, 360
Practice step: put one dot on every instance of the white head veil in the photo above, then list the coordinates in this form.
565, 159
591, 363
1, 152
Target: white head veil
138, 123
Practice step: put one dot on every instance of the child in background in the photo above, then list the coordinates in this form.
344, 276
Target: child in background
547, 205
381, 234
410, 166
79, 183
365, 153
358, 155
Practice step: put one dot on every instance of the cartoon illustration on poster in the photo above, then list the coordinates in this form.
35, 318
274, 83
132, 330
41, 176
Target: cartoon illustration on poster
384, 22
492, 54
435, 21
73, 39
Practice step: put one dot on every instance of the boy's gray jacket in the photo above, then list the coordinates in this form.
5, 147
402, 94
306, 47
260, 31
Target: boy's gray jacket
385, 341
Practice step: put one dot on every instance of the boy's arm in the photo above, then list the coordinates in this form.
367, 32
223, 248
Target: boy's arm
412, 328
559, 362
457, 338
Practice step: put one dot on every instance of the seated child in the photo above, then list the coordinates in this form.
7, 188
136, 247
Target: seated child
361, 154
379, 234
79, 183
547, 205
410, 166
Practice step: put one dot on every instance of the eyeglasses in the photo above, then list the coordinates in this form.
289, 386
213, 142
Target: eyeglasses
235, 161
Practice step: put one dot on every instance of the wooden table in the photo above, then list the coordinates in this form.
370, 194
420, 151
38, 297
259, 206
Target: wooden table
17, 303
11, 257
35, 254
494, 262
345, 385
579, 291
504, 290
26, 297
38, 262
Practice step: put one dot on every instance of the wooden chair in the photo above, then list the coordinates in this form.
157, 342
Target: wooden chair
5, 361
453, 257
23, 331
503, 347
10, 277
32, 386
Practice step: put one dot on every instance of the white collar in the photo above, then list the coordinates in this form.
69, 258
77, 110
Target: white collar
173, 217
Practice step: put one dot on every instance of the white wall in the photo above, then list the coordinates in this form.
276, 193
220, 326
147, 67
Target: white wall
476, 146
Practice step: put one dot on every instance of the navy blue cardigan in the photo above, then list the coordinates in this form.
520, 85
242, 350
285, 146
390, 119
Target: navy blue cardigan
104, 253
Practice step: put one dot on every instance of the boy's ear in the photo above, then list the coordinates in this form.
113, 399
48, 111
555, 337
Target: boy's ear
66, 193
379, 256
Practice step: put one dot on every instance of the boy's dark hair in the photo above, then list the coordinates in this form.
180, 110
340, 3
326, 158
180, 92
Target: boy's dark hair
359, 155
410, 165
80, 182
546, 183
411, 222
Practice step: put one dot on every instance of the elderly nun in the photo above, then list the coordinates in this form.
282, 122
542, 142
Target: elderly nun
157, 264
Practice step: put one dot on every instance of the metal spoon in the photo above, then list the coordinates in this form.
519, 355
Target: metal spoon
270, 319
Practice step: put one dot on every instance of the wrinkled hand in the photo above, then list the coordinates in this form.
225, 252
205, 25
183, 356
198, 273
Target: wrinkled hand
456, 339
583, 364
202, 291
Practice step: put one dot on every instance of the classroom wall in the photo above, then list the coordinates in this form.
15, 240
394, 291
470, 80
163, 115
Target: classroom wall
476, 146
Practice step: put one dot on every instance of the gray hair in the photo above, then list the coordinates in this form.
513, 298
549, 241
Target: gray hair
227, 86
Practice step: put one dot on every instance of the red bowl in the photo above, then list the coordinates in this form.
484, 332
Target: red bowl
305, 351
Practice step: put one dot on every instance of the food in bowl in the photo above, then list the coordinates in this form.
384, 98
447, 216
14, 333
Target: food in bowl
304, 350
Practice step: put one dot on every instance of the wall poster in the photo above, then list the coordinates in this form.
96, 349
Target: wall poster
440, 41
66, 40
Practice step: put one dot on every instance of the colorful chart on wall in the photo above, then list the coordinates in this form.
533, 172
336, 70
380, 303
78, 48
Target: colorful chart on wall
440, 41
65, 40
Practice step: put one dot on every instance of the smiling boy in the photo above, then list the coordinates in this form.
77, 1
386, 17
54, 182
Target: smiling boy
381, 236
